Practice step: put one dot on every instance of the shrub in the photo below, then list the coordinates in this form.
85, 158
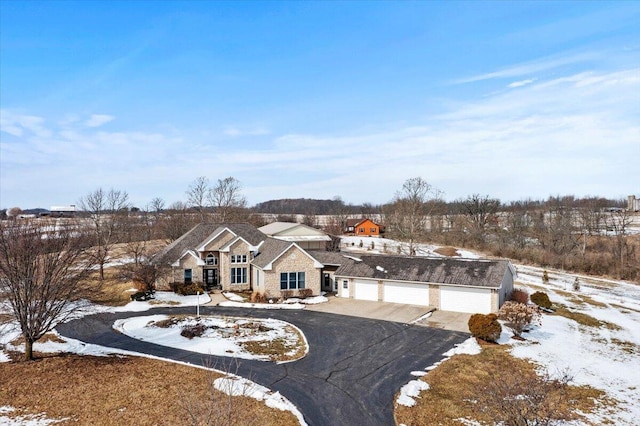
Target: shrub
286, 294
520, 296
191, 331
188, 289
141, 296
258, 297
518, 316
545, 277
541, 299
305, 292
485, 327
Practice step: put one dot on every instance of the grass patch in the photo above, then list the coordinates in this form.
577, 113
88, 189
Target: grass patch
447, 251
584, 319
166, 302
116, 391
459, 385
625, 346
278, 349
589, 301
625, 309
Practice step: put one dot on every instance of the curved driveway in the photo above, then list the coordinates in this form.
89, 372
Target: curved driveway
354, 368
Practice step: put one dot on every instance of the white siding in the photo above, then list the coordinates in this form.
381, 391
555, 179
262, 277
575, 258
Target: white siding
412, 294
366, 289
465, 299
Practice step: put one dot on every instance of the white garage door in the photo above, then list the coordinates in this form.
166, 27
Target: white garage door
412, 294
366, 290
465, 299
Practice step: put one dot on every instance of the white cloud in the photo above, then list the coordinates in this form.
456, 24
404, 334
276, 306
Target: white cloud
573, 134
528, 68
236, 132
97, 120
520, 83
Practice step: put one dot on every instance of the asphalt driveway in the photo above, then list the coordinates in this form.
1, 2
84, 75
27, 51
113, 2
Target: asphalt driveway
354, 368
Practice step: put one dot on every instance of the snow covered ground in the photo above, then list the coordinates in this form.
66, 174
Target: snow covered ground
606, 357
379, 245
223, 336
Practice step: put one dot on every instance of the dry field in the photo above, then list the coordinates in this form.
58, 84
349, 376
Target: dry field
90, 390
460, 388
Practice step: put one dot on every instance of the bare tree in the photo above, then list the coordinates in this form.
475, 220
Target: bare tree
226, 197
42, 273
107, 211
13, 212
618, 223
481, 211
197, 196
156, 205
525, 399
406, 216
176, 221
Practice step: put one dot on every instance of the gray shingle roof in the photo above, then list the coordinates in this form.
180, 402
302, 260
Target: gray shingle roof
188, 241
478, 273
331, 257
200, 233
269, 251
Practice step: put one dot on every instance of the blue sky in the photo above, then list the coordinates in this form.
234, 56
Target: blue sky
318, 99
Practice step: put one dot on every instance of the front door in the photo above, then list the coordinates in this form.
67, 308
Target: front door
211, 278
326, 285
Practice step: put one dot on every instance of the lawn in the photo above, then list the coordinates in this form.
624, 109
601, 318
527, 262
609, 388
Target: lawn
117, 390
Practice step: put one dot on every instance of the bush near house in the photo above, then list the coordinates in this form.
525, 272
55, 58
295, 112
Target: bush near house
518, 316
541, 299
305, 292
520, 296
187, 289
485, 327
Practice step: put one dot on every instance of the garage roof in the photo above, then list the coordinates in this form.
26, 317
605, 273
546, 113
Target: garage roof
465, 272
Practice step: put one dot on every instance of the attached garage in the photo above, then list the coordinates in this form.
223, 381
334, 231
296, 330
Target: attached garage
408, 293
465, 299
365, 289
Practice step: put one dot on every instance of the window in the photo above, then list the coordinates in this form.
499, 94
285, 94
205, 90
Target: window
238, 275
211, 259
345, 284
238, 258
373, 230
291, 280
361, 229
188, 276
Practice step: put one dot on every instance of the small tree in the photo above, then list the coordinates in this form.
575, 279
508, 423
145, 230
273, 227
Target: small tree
545, 277
576, 284
519, 295
42, 273
518, 316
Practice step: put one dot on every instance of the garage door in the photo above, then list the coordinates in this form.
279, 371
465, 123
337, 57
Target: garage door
366, 290
412, 294
465, 299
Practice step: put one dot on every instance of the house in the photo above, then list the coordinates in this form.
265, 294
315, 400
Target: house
212, 255
304, 236
449, 284
363, 227
238, 257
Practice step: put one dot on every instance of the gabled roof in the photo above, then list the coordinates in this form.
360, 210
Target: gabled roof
356, 222
226, 247
288, 231
332, 257
272, 249
188, 241
202, 233
191, 253
464, 272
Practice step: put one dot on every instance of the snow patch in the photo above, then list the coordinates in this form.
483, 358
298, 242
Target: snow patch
231, 304
410, 391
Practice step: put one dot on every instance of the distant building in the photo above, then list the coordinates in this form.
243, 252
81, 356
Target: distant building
633, 203
63, 211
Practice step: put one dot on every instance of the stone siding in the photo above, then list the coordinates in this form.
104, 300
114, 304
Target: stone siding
239, 247
293, 260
